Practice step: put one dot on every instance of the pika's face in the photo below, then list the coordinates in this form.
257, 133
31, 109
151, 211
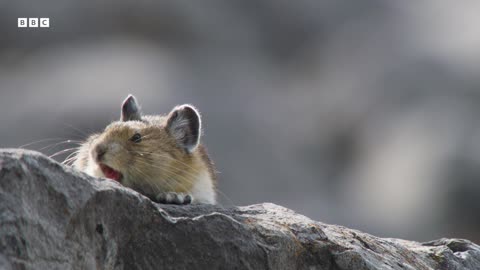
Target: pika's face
154, 149
133, 149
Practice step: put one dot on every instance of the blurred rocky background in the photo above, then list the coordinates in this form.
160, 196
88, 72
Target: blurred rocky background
359, 113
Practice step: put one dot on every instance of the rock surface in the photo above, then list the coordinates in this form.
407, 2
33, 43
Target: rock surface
52, 217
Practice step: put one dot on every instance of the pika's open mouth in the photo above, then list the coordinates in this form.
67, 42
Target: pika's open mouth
111, 173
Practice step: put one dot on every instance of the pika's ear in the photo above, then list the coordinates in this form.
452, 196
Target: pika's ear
184, 125
130, 109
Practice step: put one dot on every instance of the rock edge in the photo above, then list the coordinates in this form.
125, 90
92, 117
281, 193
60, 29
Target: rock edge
53, 217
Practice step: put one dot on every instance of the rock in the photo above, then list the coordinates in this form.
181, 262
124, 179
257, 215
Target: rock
53, 217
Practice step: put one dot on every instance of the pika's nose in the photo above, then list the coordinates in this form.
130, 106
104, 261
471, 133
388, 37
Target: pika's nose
99, 152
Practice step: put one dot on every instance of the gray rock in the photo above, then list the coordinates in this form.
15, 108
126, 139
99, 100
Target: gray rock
53, 217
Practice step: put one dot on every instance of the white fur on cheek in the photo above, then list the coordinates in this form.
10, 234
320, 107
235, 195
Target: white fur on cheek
114, 147
93, 169
202, 190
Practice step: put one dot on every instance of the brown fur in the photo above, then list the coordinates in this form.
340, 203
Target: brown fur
156, 164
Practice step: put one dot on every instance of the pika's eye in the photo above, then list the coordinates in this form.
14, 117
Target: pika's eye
136, 138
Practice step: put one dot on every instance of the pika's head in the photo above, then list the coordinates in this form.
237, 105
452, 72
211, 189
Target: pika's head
150, 148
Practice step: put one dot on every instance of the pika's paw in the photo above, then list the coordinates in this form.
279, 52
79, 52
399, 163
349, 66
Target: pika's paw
173, 198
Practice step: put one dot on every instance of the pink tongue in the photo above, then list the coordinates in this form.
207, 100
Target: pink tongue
111, 173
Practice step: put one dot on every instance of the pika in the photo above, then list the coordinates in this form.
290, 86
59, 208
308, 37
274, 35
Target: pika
159, 156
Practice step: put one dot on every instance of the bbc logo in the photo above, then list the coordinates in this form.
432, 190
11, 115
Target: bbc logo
34, 22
